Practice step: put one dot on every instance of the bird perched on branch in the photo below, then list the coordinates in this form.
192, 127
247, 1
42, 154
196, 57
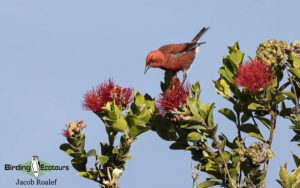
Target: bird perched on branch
175, 57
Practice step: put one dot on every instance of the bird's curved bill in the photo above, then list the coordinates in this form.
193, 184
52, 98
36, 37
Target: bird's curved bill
146, 69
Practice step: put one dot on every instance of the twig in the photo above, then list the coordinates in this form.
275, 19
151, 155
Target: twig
195, 173
273, 126
272, 132
218, 145
253, 119
294, 91
238, 124
240, 138
217, 142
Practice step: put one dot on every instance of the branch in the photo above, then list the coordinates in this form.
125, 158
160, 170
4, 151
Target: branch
217, 142
238, 124
295, 93
272, 132
240, 138
218, 145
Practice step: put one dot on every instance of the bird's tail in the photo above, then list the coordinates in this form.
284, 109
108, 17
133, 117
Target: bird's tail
199, 35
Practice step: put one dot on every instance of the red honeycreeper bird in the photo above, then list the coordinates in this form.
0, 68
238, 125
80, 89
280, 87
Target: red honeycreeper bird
175, 57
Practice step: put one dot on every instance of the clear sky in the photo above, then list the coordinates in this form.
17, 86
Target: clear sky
51, 52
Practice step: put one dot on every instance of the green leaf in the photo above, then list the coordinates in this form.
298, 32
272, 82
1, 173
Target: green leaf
295, 71
228, 113
230, 69
255, 106
284, 176
224, 74
296, 63
278, 98
193, 107
102, 159
79, 163
193, 137
235, 55
245, 117
179, 146
210, 120
195, 90
264, 121
139, 99
249, 128
85, 175
120, 125
164, 128
142, 110
195, 127
191, 148
255, 135
77, 143
208, 183
223, 88
296, 160
294, 178
294, 60
291, 96
134, 131
64, 147
91, 153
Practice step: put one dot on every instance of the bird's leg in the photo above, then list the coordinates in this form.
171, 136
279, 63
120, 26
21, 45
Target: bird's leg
184, 77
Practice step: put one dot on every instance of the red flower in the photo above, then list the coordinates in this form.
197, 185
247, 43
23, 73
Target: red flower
176, 96
254, 75
96, 98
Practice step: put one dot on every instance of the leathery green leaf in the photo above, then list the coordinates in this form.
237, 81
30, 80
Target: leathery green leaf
228, 113
296, 72
257, 136
120, 125
295, 60
91, 153
102, 159
249, 128
193, 137
255, 106
284, 176
235, 55
208, 183
296, 160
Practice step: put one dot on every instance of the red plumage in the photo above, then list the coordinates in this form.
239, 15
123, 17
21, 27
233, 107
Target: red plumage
175, 57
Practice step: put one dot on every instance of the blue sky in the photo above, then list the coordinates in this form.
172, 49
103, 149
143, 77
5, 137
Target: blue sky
51, 52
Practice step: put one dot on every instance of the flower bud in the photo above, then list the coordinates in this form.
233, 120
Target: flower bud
272, 51
295, 47
116, 173
74, 128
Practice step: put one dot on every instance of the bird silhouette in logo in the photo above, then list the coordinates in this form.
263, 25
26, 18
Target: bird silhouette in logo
35, 166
